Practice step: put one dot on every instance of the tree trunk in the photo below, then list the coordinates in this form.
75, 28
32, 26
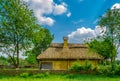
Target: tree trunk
17, 56
17, 61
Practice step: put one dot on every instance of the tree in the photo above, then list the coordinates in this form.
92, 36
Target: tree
111, 22
17, 28
40, 44
102, 46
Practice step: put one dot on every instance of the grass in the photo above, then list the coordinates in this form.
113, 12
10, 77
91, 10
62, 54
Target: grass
69, 77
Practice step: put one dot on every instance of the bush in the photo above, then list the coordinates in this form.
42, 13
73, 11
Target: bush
76, 66
24, 75
103, 69
117, 72
109, 70
87, 65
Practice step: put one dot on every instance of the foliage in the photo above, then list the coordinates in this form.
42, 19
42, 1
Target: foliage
15, 27
31, 58
110, 70
110, 22
24, 75
117, 62
19, 30
39, 75
78, 67
3, 60
102, 46
40, 44
87, 65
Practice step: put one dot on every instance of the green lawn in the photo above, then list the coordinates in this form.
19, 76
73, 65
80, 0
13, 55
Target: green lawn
62, 78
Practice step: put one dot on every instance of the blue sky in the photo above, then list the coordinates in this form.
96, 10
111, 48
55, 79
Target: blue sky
76, 19
84, 13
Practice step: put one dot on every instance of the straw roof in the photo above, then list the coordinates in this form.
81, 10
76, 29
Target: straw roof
74, 51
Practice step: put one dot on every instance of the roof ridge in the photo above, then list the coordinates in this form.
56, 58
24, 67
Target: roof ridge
69, 45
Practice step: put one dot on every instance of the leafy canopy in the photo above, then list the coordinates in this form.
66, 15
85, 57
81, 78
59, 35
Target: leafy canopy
18, 29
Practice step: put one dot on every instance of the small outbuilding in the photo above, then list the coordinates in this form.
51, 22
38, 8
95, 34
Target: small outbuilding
61, 56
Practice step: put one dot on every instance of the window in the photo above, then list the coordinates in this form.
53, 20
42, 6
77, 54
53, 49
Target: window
46, 66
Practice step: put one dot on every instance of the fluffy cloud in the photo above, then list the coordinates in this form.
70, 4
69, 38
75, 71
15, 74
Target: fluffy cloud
59, 9
82, 34
43, 8
116, 6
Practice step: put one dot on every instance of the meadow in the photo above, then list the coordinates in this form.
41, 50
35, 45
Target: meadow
61, 77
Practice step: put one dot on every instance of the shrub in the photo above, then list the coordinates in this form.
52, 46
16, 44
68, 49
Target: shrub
104, 69
76, 66
109, 70
117, 72
24, 75
87, 65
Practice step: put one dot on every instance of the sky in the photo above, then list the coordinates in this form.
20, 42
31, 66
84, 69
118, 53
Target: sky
77, 19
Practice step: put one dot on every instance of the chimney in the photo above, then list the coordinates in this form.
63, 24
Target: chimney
65, 44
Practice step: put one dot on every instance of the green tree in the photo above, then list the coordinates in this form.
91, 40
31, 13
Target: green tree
103, 47
40, 44
18, 29
15, 27
111, 22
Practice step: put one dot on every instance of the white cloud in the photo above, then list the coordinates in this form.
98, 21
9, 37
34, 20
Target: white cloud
116, 6
68, 14
81, 34
59, 9
45, 20
43, 8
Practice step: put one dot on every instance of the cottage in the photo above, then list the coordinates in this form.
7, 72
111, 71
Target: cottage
60, 56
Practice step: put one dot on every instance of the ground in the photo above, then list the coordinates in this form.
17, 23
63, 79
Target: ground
61, 77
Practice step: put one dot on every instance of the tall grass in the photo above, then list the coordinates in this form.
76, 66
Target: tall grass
69, 77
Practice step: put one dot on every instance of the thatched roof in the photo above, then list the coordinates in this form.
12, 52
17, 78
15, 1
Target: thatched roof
70, 45
74, 51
